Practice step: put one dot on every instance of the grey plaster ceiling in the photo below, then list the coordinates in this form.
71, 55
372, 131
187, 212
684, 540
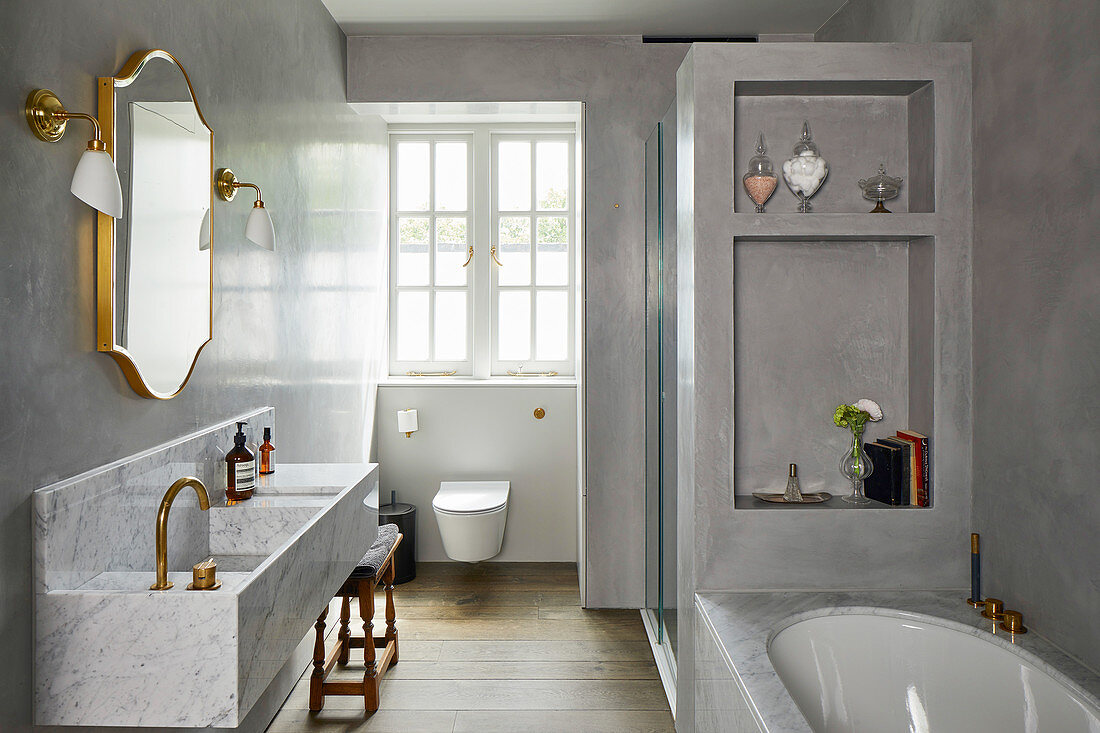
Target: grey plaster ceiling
581, 17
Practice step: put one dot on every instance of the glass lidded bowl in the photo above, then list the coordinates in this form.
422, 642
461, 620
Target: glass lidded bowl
760, 180
879, 188
806, 170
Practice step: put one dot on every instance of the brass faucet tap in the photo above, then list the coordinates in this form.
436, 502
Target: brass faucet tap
162, 525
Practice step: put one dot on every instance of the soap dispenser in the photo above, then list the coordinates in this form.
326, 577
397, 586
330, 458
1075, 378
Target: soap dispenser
240, 468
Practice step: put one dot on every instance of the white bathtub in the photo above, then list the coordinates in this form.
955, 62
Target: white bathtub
860, 673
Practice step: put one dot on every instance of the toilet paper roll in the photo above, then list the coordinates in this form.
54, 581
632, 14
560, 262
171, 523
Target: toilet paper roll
406, 421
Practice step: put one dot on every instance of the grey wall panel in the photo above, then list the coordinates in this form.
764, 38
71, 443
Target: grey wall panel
300, 329
735, 548
626, 87
1036, 280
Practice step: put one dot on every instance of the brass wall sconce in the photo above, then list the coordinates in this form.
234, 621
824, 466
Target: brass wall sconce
95, 181
258, 229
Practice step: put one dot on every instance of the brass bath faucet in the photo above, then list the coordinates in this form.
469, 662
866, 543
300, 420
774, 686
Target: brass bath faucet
162, 525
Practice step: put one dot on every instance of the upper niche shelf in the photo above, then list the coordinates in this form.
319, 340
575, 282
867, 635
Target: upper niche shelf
856, 124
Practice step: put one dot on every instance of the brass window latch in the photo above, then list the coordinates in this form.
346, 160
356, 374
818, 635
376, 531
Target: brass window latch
469, 255
493, 254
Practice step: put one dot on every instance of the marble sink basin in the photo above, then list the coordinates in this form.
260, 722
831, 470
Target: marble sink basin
202, 659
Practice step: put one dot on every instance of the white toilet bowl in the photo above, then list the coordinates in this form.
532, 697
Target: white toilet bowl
471, 517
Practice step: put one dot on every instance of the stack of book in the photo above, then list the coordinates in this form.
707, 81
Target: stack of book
901, 475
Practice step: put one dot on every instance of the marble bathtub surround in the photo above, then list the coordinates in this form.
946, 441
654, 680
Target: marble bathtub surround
104, 519
740, 626
223, 648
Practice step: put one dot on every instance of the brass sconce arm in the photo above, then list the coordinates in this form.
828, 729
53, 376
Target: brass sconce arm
226, 184
47, 118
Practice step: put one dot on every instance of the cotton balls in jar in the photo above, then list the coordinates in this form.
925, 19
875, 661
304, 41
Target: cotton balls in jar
804, 173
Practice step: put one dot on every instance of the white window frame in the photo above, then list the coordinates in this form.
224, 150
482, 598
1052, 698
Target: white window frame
531, 364
483, 217
465, 366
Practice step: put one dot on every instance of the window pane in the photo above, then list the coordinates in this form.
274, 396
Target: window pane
552, 174
412, 176
515, 250
552, 325
412, 251
450, 326
552, 266
450, 251
450, 176
412, 326
514, 175
514, 342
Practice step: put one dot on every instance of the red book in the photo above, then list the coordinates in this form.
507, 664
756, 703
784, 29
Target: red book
920, 452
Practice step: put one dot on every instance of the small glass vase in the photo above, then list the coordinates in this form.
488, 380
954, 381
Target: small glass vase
856, 466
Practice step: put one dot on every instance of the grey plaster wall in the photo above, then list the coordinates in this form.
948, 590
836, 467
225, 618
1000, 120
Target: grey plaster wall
1036, 290
300, 329
626, 87
725, 546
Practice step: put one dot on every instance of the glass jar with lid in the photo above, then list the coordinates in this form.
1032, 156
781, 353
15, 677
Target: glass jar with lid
806, 170
761, 180
879, 188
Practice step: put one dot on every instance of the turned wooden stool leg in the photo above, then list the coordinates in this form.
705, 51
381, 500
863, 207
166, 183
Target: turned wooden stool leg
343, 636
370, 676
391, 612
317, 679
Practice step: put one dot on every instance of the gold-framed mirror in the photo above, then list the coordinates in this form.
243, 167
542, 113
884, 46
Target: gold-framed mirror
155, 264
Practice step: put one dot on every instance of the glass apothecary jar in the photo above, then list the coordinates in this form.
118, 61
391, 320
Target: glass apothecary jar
761, 179
806, 170
879, 188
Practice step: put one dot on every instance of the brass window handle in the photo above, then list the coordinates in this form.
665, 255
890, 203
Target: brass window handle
493, 254
469, 255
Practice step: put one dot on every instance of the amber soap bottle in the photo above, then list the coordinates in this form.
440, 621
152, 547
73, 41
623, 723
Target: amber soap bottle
267, 454
240, 469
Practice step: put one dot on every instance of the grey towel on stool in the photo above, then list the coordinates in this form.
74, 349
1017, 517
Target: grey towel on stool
376, 555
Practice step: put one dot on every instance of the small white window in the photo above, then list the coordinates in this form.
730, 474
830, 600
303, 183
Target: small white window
430, 323
483, 251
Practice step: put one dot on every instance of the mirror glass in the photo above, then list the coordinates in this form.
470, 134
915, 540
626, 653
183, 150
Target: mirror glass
162, 253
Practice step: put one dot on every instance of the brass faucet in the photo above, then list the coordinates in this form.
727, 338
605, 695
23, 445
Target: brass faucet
162, 525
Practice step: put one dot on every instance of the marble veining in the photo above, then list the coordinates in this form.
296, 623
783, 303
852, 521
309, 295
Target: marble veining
178, 657
161, 651
742, 624
103, 520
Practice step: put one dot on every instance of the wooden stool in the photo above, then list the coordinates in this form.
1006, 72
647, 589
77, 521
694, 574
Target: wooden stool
378, 563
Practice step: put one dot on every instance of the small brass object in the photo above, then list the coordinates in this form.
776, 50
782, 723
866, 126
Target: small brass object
975, 604
539, 413
994, 608
520, 373
431, 374
469, 255
205, 576
162, 525
493, 254
1013, 622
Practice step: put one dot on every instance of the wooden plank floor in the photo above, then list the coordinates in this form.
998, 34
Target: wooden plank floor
498, 648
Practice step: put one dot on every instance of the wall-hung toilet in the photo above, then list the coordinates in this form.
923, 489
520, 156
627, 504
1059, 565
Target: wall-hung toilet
471, 516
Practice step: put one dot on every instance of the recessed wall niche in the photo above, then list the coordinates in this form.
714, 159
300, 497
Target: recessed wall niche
817, 323
856, 124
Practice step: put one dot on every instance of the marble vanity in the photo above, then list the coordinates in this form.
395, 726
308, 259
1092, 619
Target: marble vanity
111, 652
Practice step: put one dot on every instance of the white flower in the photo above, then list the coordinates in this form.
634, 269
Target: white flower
871, 408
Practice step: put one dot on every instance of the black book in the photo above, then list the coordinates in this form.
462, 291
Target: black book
884, 483
907, 488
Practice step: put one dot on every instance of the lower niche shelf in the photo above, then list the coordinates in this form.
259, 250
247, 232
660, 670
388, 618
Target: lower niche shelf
837, 502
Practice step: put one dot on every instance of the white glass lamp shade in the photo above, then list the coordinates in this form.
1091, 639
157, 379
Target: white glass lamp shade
407, 422
259, 230
95, 182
